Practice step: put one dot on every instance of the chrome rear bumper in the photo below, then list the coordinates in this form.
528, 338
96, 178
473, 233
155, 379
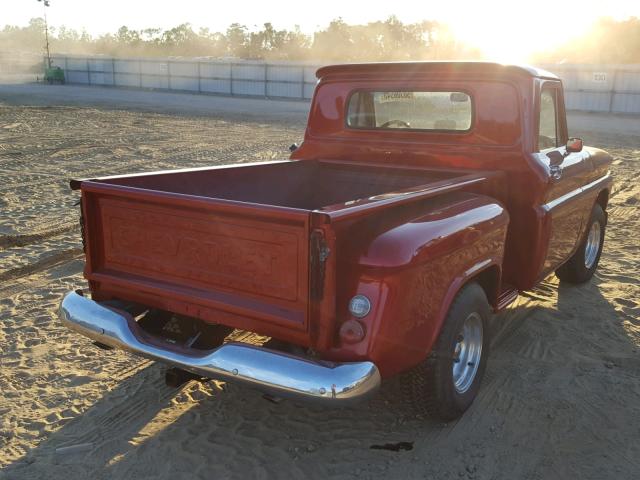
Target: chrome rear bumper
268, 370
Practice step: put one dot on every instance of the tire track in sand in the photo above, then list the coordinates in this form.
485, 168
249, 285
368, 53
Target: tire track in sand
24, 239
47, 262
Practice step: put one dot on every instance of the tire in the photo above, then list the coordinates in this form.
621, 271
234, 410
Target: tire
444, 394
584, 262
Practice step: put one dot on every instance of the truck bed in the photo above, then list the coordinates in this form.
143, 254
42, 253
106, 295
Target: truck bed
306, 185
234, 245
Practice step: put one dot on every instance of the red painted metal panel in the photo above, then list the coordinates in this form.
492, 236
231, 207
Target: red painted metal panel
254, 264
210, 250
411, 267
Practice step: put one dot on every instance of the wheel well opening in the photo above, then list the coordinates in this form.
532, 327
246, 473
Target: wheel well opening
489, 280
603, 199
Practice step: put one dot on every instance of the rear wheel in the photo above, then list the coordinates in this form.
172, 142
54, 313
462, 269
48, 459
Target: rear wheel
449, 380
583, 264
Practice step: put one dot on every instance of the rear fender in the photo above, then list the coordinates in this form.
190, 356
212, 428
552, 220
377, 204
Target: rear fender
412, 272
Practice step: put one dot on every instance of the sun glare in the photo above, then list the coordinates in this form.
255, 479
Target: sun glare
511, 31
515, 39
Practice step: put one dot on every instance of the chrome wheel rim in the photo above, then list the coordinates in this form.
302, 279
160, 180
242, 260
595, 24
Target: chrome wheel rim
467, 353
592, 245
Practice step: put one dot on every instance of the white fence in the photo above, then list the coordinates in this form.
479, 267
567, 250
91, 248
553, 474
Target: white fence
278, 80
594, 88
600, 88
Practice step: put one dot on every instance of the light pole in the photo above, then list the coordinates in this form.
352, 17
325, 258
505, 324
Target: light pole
46, 30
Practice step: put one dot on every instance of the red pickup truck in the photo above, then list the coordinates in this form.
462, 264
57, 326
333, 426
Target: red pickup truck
424, 197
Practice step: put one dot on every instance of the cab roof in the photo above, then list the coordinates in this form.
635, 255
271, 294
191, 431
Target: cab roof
413, 68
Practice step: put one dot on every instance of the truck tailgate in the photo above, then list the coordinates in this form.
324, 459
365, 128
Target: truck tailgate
241, 265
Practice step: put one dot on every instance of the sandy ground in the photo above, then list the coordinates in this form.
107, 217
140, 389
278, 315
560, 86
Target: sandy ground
561, 398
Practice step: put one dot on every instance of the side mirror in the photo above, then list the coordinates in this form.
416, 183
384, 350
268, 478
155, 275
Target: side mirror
574, 145
293, 147
458, 97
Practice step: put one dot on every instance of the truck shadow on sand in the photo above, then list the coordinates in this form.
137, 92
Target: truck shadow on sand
142, 428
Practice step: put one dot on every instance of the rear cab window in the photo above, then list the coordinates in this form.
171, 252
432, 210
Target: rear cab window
413, 110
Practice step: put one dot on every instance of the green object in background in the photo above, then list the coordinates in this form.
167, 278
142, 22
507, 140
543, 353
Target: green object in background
54, 75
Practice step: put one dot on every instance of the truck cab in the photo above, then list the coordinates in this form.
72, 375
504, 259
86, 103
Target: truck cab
507, 119
424, 197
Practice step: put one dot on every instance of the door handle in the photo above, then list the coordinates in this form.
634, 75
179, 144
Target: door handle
555, 171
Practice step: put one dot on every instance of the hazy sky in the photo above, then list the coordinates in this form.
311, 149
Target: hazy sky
486, 23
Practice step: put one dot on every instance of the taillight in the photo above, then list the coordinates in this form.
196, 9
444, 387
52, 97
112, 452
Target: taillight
352, 331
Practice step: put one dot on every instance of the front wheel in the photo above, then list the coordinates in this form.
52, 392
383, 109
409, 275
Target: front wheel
583, 264
449, 380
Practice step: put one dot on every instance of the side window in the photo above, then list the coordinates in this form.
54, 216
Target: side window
548, 131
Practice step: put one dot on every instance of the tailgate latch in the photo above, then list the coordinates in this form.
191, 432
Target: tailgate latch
319, 254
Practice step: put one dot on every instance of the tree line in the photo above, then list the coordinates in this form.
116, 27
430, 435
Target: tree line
383, 40
610, 41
